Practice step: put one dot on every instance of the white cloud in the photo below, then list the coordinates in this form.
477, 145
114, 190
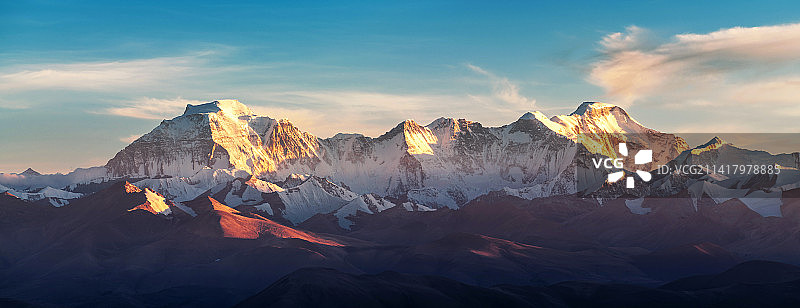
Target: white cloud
783, 90
728, 64
151, 108
120, 86
633, 38
98, 76
129, 139
325, 113
505, 90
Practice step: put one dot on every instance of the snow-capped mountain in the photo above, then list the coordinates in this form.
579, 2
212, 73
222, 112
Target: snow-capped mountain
760, 192
53, 196
600, 127
219, 199
30, 172
717, 151
31, 180
222, 149
445, 163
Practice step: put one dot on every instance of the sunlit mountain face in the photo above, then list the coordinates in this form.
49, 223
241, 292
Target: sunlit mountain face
219, 207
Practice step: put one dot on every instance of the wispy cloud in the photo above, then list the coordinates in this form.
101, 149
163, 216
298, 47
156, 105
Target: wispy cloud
150, 108
129, 139
326, 113
12, 105
98, 76
731, 65
152, 89
505, 90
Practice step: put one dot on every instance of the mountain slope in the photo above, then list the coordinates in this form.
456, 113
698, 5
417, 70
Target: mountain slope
600, 127
446, 163
235, 224
334, 288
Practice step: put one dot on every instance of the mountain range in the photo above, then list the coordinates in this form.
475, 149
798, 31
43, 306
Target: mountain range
214, 205
446, 163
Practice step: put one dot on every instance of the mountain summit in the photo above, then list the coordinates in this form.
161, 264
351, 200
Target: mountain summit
600, 127
443, 164
30, 172
228, 106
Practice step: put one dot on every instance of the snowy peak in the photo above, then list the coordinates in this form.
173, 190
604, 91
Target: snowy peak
595, 118
367, 203
49, 192
218, 135
445, 163
589, 107
528, 116
719, 152
287, 143
30, 172
315, 183
228, 106
294, 179
155, 204
315, 195
450, 126
537, 116
600, 127
715, 140
418, 139
441, 122
55, 197
403, 127
344, 136
713, 144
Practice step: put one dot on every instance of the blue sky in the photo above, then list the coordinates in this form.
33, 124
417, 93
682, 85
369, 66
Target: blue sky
79, 79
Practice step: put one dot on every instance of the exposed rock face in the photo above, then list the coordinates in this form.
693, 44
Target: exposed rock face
446, 163
177, 147
601, 127
217, 135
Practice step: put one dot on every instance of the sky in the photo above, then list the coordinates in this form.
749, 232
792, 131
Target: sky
79, 80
